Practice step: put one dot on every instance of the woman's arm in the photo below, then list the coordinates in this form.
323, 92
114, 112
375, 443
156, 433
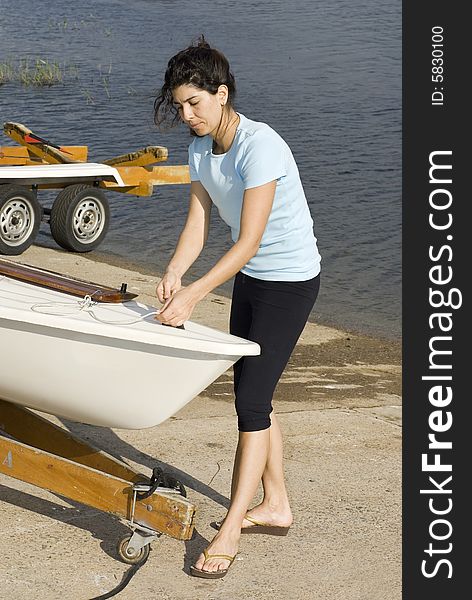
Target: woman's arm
191, 241
257, 204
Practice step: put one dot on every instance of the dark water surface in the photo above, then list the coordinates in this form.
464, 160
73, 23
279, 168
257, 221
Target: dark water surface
324, 74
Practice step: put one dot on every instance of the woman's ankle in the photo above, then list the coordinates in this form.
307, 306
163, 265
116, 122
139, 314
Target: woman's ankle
273, 505
229, 531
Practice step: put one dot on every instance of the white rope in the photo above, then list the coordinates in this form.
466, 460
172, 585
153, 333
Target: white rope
132, 322
86, 304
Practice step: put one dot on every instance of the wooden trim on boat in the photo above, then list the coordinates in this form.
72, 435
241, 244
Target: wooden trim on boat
62, 283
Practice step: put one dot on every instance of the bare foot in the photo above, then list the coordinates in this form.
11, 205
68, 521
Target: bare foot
262, 513
220, 544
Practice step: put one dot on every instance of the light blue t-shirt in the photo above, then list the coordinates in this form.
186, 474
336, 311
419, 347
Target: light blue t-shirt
288, 250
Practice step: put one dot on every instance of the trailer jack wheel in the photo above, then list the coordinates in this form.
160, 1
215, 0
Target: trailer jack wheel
134, 549
20, 217
80, 217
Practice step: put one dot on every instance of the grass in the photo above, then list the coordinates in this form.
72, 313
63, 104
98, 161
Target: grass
88, 96
32, 72
92, 22
6, 72
106, 79
39, 72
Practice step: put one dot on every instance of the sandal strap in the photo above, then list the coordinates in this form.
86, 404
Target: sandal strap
252, 520
225, 556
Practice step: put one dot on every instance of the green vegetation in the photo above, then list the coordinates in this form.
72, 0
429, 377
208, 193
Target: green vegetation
40, 72
6, 72
31, 72
92, 22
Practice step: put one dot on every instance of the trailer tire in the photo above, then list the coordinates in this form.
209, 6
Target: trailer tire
80, 217
20, 217
132, 558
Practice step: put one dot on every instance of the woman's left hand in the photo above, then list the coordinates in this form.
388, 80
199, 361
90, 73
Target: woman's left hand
178, 307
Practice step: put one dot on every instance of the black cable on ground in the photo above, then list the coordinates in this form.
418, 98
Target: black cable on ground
124, 582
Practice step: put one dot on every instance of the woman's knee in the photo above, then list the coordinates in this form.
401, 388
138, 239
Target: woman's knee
252, 418
246, 424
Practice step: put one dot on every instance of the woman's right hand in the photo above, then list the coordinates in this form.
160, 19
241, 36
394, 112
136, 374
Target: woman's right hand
167, 286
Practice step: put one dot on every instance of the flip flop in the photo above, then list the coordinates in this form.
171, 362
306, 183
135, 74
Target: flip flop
212, 574
258, 527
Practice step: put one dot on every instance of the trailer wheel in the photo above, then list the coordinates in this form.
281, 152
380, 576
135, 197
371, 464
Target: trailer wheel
132, 557
80, 217
20, 217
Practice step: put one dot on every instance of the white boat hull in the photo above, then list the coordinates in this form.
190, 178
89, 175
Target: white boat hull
59, 173
123, 376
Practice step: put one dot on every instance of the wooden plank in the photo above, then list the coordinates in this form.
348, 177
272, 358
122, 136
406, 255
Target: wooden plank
142, 189
159, 175
19, 155
16, 156
61, 283
172, 515
139, 181
30, 428
140, 158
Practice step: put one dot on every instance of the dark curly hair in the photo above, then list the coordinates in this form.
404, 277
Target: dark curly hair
199, 65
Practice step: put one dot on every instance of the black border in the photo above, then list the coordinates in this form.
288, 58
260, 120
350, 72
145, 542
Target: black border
428, 128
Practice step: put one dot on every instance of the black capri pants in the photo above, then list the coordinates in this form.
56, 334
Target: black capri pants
273, 314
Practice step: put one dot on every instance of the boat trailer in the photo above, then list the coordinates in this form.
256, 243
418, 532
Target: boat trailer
80, 214
51, 458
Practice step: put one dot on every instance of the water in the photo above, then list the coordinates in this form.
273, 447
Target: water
325, 75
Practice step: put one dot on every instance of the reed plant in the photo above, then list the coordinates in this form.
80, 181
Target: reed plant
90, 23
31, 72
40, 73
88, 96
105, 76
7, 72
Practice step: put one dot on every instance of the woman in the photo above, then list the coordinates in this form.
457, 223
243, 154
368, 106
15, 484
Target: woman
247, 170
